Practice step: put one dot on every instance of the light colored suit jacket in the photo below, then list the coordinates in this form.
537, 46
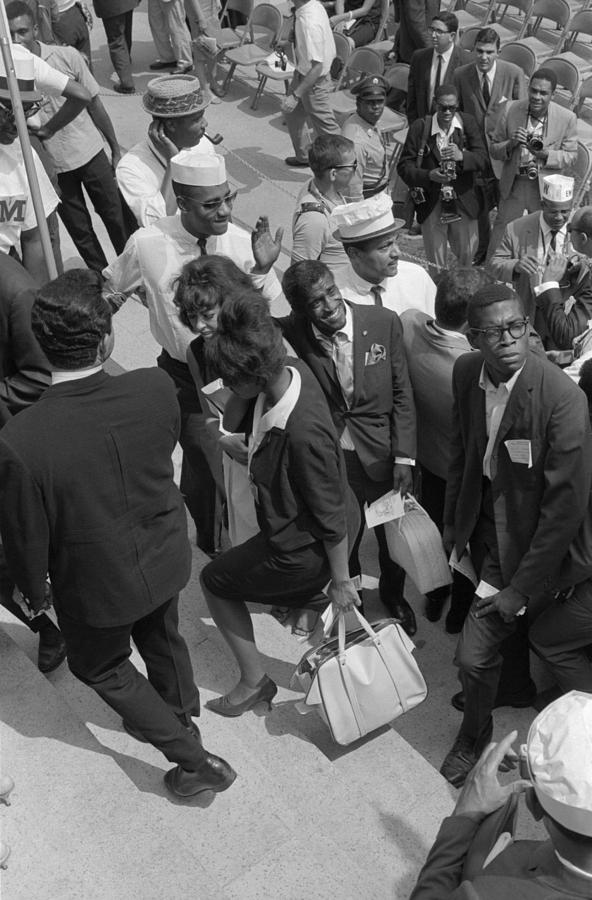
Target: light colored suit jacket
521, 238
560, 140
509, 84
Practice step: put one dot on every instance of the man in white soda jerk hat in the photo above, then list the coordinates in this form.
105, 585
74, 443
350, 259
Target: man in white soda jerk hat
558, 763
564, 298
376, 275
153, 259
531, 241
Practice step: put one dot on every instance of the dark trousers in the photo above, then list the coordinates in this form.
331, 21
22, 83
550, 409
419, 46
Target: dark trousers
99, 657
433, 493
99, 181
201, 469
118, 30
487, 190
71, 28
392, 576
488, 644
560, 636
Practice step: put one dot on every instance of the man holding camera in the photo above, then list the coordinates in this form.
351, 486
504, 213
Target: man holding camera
529, 242
441, 155
535, 137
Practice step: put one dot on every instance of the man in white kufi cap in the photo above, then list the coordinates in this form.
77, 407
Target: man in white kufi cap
529, 244
376, 275
474, 856
153, 259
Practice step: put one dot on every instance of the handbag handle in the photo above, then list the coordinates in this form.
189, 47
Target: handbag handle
363, 622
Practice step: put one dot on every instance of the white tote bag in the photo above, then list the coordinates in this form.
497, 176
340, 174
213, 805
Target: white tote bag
368, 681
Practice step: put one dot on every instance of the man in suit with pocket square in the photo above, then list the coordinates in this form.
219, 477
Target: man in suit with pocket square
484, 87
534, 138
518, 491
358, 357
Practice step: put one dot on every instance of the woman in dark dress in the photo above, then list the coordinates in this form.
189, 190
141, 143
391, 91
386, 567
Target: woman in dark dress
357, 19
304, 506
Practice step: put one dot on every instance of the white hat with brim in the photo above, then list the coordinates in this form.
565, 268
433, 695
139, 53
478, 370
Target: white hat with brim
24, 67
559, 754
199, 169
364, 219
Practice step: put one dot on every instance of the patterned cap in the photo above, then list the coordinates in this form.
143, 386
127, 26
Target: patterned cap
173, 96
371, 86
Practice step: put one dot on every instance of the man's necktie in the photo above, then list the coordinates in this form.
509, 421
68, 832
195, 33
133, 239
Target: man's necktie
377, 290
201, 243
438, 74
553, 240
486, 91
343, 368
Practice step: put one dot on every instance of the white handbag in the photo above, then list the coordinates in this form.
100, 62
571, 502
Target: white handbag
366, 681
415, 543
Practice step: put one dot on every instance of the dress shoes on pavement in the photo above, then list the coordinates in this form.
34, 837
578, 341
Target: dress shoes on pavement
517, 701
479, 258
214, 774
182, 70
124, 88
52, 648
398, 609
159, 65
435, 607
296, 163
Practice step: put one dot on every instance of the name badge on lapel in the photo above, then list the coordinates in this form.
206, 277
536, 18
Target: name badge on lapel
375, 355
520, 451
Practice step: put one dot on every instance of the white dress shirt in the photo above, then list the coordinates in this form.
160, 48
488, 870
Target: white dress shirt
410, 288
153, 258
496, 400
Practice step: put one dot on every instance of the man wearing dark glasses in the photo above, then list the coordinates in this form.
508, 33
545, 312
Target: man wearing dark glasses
517, 493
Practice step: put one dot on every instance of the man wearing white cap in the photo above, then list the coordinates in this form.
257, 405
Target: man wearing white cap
154, 257
564, 299
558, 763
530, 242
376, 276
177, 105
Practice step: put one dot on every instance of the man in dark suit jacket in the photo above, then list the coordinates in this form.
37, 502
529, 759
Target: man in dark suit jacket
358, 357
558, 757
484, 88
434, 65
87, 495
414, 17
521, 463
457, 141
24, 375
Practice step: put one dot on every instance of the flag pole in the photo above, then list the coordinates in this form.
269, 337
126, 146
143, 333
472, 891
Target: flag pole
23, 134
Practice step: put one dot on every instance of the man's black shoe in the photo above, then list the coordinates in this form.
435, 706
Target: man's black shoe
402, 611
214, 774
52, 648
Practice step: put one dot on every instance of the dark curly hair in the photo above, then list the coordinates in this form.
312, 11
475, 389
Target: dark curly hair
70, 318
248, 344
205, 283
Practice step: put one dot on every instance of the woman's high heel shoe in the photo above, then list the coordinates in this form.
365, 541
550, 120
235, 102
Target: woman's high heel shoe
264, 693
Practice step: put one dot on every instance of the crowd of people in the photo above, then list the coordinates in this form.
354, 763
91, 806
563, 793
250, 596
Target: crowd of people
441, 380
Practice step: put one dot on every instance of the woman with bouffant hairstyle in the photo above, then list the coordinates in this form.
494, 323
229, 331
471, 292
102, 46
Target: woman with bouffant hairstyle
304, 507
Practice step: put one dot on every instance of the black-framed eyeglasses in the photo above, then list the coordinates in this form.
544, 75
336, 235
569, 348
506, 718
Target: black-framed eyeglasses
437, 31
212, 205
495, 333
443, 108
29, 110
353, 166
